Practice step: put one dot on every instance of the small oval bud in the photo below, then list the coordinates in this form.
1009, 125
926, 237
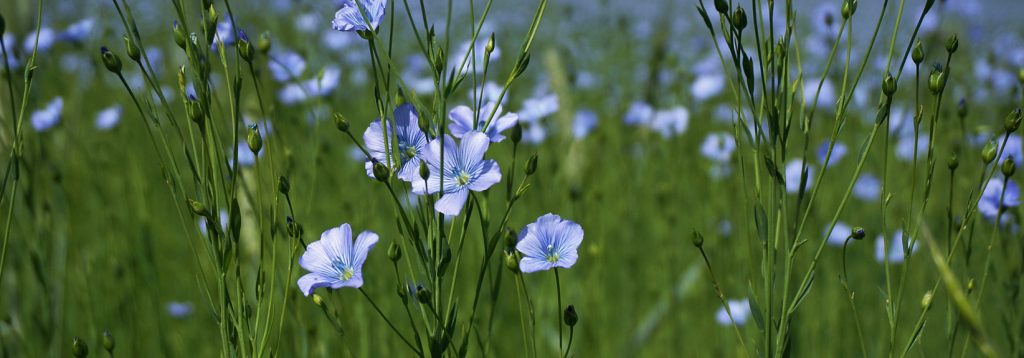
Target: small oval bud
489, 48
283, 186
198, 208
970, 285
1009, 167
531, 165
403, 293
394, 252
517, 133
988, 153
937, 81
926, 301
263, 43
857, 233
180, 37
739, 18
849, 8
889, 85
722, 6
522, 65
254, 139
1012, 122
133, 50
341, 123
954, 161
423, 294
424, 171
570, 317
195, 110
381, 171
952, 43
245, 50
110, 60
697, 239
318, 300
79, 348
108, 342
512, 261
918, 54
511, 239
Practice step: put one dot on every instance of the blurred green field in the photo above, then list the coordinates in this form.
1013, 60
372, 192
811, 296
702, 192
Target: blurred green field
99, 243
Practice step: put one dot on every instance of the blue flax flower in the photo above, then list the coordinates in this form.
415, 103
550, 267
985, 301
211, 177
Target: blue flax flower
465, 169
351, 15
989, 204
335, 261
549, 242
462, 121
411, 143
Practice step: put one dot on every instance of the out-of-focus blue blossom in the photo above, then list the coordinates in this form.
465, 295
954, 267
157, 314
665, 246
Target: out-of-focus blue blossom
896, 251
583, 123
48, 116
286, 66
838, 152
740, 312
179, 309
905, 147
536, 108
550, 242
671, 122
988, 204
638, 113
718, 147
47, 37
78, 31
867, 188
335, 260
478, 56
826, 97
222, 215
464, 169
319, 86
707, 85
839, 234
462, 121
534, 133
793, 175
108, 118
353, 15
1012, 150
411, 143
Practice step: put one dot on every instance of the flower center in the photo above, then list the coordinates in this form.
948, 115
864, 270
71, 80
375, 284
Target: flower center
552, 255
347, 274
462, 178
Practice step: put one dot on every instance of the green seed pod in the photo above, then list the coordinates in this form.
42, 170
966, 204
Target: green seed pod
180, 37
394, 252
108, 342
1009, 167
857, 233
531, 165
195, 110
952, 43
739, 18
254, 139
341, 123
283, 186
1012, 122
381, 171
133, 50
110, 60
79, 348
988, 153
889, 85
198, 208
697, 239
264, 43
570, 317
918, 54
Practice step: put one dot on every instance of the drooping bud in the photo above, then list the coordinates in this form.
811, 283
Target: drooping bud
952, 43
108, 342
381, 171
1009, 167
394, 252
937, 81
263, 43
132, 48
531, 165
180, 37
79, 348
849, 8
254, 139
697, 238
889, 85
110, 60
739, 18
1012, 122
857, 233
570, 317
283, 186
918, 54
198, 208
341, 123
988, 153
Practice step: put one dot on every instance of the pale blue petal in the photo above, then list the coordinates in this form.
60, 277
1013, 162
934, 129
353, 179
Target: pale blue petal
312, 281
531, 264
451, 203
461, 121
490, 174
365, 242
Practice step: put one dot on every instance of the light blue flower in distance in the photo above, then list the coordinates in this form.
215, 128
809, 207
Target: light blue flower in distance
583, 123
793, 174
896, 252
179, 309
223, 215
905, 148
867, 188
707, 85
353, 15
718, 147
740, 312
465, 169
335, 261
489, 91
638, 113
671, 122
78, 31
462, 121
323, 84
49, 116
838, 152
1012, 150
478, 55
826, 97
411, 143
839, 234
538, 107
548, 243
535, 133
988, 204
47, 37
108, 118
286, 66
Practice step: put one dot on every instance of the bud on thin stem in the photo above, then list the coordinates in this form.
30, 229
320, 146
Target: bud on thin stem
531, 165
341, 123
988, 153
110, 60
79, 348
108, 342
570, 317
1009, 167
254, 139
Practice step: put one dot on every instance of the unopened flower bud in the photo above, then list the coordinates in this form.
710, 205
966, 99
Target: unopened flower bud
79, 348
254, 139
849, 8
857, 233
517, 133
512, 261
937, 81
739, 18
3, 24
194, 110
918, 54
722, 6
403, 293
132, 48
108, 342
180, 37
394, 252
697, 239
245, 50
988, 153
570, 317
926, 301
423, 294
489, 48
952, 43
341, 123
531, 165
954, 161
970, 285
263, 43
889, 85
283, 186
1012, 122
381, 171
1009, 167
110, 60
198, 208
317, 300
